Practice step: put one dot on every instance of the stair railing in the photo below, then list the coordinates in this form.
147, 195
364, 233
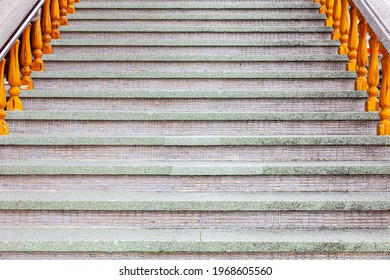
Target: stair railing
351, 21
24, 37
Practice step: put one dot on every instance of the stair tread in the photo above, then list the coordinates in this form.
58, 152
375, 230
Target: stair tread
90, 139
176, 167
189, 57
196, 5
220, 94
194, 201
185, 116
196, 75
198, 16
192, 42
212, 240
189, 29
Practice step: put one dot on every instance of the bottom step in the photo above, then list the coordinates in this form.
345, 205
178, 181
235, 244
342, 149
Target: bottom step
194, 256
59, 239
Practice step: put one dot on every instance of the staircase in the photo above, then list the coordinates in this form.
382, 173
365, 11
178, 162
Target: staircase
194, 130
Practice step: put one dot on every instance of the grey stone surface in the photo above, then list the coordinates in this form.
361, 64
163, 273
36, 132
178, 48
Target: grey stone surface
193, 42
198, 15
220, 94
194, 168
192, 29
167, 58
193, 201
196, 5
158, 140
107, 115
193, 240
196, 75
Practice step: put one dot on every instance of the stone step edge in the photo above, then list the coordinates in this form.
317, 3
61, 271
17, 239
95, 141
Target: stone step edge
198, 16
196, 43
197, 6
197, 29
195, 75
189, 94
195, 58
192, 116
158, 140
97, 239
193, 168
193, 201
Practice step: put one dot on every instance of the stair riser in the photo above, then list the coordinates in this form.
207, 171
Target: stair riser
194, 84
194, 66
199, 219
229, 128
172, 12
194, 105
271, 183
193, 36
107, 50
203, 153
199, 23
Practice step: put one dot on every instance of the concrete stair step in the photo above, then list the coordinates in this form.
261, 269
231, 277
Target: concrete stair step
193, 168
235, 15
194, 47
306, 219
191, 63
75, 47
50, 58
210, 81
195, 32
194, 256
204, 11
179, 36
186, 5
208, 154
186, 1
188, 67
158, 140
193, 201
195, 101
36, 102
195, 29
184, 116
199, 22
268, 149
205, 67
41, 239
128, 123
197, 94
198, 43
177, 28
324, 75
192, 128
188, 183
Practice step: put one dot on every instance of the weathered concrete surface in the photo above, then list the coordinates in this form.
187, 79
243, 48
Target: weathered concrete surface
193, 240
